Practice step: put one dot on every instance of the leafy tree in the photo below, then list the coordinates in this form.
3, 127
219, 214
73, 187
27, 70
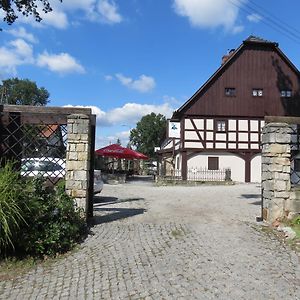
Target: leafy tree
22, 92
148, 133
25, 7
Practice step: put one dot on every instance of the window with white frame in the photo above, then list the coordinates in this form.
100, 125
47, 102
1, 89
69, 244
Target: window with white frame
230, 92
286, 93
221, 126
257, 92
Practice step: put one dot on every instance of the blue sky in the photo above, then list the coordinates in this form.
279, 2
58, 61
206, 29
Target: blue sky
128, 58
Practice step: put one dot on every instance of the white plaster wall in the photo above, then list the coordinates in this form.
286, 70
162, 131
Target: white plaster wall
193, 145
256, 168
188, 124
235, 163
210, 124
254, 125
232, 124
191, 135
199, 124
243, 124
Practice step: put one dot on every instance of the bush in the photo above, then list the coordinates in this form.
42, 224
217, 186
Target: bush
53, 224
12, 205
35, 219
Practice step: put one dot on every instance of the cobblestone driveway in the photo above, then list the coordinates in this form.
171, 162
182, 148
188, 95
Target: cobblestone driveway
169, 243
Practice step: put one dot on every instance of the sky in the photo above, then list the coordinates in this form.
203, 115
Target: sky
126, 59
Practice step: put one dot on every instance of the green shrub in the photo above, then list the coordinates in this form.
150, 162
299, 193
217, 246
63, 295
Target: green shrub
296, 221
53, 224
12, 205
35, 219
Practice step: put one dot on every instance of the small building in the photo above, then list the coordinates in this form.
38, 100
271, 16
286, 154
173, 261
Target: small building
220, 125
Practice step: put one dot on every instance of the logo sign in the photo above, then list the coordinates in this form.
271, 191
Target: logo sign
174, 129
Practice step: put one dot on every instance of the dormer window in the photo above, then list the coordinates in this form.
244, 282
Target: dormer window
230, 92
286, 93
257, 92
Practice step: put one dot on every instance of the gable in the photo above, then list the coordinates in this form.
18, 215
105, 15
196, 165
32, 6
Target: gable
253, 66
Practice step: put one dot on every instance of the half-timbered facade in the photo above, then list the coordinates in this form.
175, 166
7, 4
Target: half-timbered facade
220, 125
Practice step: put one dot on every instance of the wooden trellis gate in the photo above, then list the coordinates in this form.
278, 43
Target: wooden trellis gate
36, 137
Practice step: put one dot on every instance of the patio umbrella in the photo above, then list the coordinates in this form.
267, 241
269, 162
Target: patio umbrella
136, 154
117, 151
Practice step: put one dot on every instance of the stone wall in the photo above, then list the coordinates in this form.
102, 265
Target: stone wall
78, 159
279, 198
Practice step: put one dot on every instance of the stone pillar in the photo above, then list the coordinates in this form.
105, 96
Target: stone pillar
276, 168
78, 159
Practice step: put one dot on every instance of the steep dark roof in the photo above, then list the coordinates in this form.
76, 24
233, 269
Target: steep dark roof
250, 40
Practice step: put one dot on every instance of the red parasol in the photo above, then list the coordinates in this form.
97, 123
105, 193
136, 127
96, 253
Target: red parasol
118, 151
136, 154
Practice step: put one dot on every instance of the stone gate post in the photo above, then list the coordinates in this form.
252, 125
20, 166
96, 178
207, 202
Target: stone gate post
78, 159
276, 168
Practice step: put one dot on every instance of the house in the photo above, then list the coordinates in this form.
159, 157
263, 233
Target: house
220, 125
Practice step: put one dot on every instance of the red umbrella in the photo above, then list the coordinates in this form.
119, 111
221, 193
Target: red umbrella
136, 154
117, 151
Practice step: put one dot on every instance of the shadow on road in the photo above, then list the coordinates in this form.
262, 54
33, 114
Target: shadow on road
249, 196
252, 196
114, 214
104, 200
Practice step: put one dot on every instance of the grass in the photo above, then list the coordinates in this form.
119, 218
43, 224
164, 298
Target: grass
295, 225
177, 233
13, 267
294, 244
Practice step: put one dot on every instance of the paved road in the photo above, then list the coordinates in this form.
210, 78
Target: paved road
170, 243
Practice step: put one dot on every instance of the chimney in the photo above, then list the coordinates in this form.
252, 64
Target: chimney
227, 56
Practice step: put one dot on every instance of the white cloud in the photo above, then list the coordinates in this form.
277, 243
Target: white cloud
55, 18
22, 33
15, 53
142, 84
108, 11
61, 63
108, 77
237, 29
85, 5
255, 18
209, 13
71, 11
23, 50
129, 113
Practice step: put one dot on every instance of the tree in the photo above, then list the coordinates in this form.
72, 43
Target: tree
148, 133
24, 7
22, 92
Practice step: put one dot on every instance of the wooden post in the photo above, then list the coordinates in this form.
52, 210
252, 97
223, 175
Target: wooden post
247, 167
184, 165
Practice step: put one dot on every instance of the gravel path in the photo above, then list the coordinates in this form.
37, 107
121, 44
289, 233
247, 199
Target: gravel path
170, 243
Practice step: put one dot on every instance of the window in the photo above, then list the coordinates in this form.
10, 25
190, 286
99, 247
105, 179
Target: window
230, 92
286, 93
221, 126
257, 92
213, 163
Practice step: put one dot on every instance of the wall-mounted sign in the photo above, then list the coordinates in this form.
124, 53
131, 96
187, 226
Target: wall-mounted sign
174, 129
